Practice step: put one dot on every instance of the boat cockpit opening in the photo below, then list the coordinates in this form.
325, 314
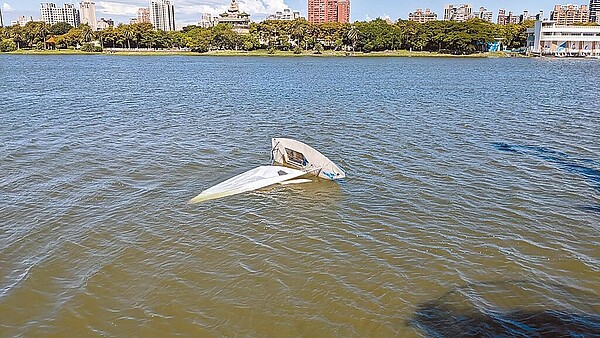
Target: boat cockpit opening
296, 158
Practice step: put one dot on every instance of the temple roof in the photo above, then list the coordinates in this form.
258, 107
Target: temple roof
234, 7
234, 12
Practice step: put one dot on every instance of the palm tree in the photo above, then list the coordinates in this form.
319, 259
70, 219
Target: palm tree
15, 33
100, 35
271, 32
312, 34
353, 37
42, 32
29, 34
140, 31
108, 36
298, 32
87, 35
128, 34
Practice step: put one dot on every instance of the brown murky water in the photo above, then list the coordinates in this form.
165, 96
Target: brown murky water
472, 203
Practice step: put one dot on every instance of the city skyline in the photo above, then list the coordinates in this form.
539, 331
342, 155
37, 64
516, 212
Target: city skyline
190, 11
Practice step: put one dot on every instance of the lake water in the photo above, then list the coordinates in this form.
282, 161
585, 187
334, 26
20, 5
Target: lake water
471, 206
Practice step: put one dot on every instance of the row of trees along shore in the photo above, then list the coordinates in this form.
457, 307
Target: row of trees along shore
299, 35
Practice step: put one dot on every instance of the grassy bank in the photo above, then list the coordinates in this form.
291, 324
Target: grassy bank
260, 52
265, 53
48, 52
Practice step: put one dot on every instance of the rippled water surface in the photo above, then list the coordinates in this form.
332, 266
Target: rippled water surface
472, 203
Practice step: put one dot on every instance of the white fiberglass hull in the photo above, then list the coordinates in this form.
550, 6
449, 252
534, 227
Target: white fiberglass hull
303, 157
256, 178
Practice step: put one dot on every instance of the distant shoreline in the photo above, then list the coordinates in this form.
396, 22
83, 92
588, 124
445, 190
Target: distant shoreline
261, 52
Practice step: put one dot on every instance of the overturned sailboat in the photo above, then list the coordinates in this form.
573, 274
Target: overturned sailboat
300, 156
256, 178
303, 160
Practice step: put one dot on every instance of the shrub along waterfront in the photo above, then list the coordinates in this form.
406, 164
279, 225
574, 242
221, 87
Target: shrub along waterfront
450, 37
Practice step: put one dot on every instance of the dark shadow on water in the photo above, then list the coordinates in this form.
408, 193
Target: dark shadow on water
583, 167
436, 320
591, 208
506, 310
505, 147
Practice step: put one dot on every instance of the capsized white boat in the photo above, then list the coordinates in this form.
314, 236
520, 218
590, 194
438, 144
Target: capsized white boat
303, 157
250, 180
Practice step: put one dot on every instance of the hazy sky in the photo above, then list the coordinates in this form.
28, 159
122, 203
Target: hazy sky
189, 11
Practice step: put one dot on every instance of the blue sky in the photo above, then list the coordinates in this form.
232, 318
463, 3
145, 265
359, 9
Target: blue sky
189, 11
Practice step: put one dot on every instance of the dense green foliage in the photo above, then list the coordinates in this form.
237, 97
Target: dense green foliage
60, 28
7, 45
90, 48
377, 35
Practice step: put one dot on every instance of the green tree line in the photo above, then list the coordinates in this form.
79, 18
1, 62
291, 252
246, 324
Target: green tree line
377, 35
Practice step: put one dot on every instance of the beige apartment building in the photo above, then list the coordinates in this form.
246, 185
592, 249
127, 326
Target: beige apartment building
143, 15
570, 14
458, 12
484, 14
87, 11
419, 16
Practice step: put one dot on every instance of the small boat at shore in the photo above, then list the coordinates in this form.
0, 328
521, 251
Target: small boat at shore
295, 159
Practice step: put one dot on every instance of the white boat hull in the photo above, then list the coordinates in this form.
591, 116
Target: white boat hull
303, 157
256, 178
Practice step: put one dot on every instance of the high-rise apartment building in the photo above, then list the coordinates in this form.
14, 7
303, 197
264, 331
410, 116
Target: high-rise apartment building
501, 17
71, 15
316, 11
458, 13
143, 15
321, 11
419, 16
87, 10
484, 14
570, 14
339, 11
52, 14
162, 15
595, 11
1, 18
528, 16
507, 19
512, 19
